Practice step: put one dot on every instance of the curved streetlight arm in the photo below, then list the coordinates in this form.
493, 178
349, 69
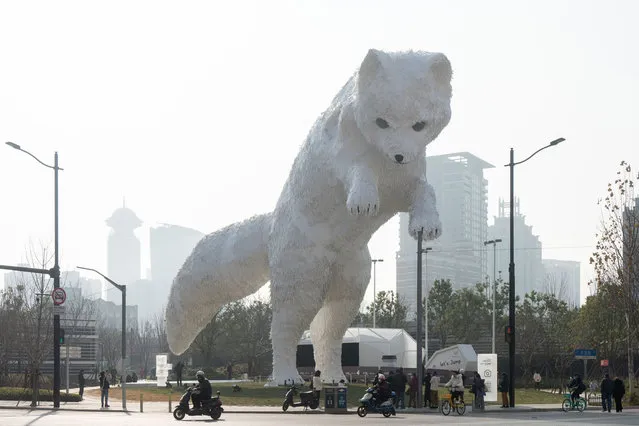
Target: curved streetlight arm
553, 143
19, 148
118, 286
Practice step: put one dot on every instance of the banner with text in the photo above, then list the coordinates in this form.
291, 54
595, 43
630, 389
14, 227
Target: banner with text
487, 369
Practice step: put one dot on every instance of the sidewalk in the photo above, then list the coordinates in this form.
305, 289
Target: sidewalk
92, 404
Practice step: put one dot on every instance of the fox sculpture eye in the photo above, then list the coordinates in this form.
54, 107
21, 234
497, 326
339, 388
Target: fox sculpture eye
383, 124
419, 126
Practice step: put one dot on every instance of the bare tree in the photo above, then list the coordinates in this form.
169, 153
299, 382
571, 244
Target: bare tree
556, 284
36, 318
616, 257
11, 310
144, 342
111, 343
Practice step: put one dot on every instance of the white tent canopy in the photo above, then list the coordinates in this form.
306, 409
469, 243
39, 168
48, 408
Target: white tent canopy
454, 358
379, 347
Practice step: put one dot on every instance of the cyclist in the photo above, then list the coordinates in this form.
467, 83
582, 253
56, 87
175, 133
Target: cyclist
577, 386
456, 385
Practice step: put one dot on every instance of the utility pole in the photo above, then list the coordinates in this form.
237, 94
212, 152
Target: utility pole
375, 289
494, 243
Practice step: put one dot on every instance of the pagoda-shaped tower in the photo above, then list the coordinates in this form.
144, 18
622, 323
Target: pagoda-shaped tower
123, 250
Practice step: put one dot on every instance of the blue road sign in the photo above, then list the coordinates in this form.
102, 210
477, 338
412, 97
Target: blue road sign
586, 353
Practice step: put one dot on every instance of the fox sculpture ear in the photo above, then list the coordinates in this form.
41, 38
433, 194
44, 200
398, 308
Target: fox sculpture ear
371, 66
440, 68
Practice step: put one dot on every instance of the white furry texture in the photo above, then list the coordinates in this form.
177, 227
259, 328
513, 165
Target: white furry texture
353, 173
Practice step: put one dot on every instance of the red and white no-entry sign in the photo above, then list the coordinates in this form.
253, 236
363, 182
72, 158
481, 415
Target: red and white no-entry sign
59, 296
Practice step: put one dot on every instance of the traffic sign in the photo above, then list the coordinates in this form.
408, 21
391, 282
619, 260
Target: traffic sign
604, 363
59, 310
585, 354
59, 296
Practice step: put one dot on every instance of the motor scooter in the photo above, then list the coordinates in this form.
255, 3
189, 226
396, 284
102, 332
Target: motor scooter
308, 399
370, 403
210, 407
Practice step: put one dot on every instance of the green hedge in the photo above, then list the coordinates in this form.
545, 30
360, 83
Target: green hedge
21, 394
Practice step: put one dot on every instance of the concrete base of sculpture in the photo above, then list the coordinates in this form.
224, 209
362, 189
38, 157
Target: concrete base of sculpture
363, 161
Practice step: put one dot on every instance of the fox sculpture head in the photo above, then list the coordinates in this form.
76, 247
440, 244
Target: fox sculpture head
402, 101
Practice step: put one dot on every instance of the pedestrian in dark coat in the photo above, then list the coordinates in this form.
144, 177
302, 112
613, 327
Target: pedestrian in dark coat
607, 386
618, 391
81, 383
427, 390
504, 387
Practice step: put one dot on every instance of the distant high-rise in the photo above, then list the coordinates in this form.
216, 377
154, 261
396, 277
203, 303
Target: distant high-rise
459, 254
562, 279
123, 250
529, 271
170, 246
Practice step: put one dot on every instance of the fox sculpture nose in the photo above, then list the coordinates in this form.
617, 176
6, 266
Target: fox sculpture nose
399, 158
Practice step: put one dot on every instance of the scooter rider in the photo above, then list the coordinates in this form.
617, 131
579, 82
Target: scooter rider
383, 389
202, 390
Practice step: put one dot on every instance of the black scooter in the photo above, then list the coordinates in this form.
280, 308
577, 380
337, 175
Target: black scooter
210, 407
307, 399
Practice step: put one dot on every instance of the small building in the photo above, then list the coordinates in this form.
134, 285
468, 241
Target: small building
365, 350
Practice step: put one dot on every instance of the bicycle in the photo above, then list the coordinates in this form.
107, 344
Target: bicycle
449, 404
567, 404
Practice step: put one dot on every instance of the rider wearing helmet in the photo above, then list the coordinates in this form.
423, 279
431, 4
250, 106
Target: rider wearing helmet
202, 390
383, 389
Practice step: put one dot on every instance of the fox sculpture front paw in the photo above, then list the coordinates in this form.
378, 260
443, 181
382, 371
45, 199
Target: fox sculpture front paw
363, 200
429, 223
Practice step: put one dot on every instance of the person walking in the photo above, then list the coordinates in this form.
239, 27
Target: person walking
179, 368
607, 387
398, 384
537, 380
317, 383
618, 391
81, 383
412, 391
479, 389
104, 389
434, 390
504, 387
427, 390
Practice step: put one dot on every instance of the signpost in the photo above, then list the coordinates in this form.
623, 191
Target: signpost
585, 354
59, 296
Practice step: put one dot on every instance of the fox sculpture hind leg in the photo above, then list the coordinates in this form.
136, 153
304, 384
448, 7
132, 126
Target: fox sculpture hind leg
351, 275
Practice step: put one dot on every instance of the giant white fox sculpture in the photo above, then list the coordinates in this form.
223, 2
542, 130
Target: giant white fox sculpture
362, 162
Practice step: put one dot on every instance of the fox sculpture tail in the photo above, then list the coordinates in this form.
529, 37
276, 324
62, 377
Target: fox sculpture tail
224, 266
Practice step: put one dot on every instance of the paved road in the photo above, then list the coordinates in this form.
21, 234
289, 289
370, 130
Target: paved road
74, 418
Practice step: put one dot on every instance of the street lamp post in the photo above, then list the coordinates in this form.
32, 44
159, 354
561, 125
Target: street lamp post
511, 266
55, 273
375, 289
419, 365
494, 243
122, 288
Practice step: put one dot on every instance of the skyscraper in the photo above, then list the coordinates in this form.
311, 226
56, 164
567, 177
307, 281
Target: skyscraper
170, 245
459, 254
123, 251
529, 271
562, 279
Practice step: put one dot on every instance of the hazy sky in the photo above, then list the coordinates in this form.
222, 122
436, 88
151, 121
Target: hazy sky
194, 111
